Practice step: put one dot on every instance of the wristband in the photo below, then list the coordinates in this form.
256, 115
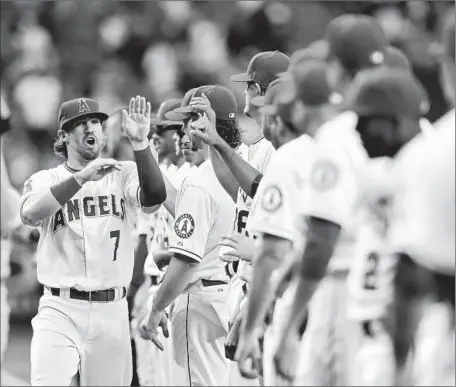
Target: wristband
255, 184
65, 190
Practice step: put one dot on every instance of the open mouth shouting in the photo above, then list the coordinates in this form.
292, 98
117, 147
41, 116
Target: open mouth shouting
90, 140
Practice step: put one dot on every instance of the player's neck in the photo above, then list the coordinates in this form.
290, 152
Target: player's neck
179, 161
76, 162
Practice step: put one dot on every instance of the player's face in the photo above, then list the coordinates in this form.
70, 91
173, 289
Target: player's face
86, 138
252, 89
164, 143
177, 144
186, 146
196, 144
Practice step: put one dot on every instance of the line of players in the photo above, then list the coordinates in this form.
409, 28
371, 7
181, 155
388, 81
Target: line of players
319, 223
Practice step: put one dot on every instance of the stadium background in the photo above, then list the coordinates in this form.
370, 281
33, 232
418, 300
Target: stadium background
112, 50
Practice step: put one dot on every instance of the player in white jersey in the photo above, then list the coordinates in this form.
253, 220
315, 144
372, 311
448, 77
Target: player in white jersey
274, 216
355, 42
195, 279
422, 231
153, 366
85, 211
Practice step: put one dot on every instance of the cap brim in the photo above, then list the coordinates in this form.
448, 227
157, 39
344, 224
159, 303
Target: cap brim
174, 116
268, 110
102, 116
244, 77
259, 101
158, 122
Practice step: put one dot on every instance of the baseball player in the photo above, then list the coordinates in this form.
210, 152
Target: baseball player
274, 217
195, 279
355, 42
85, 211
426, 266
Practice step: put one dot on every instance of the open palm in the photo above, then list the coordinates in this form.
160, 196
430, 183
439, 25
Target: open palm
136, 123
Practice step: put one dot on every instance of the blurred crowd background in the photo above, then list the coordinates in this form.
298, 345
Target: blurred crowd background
113, 50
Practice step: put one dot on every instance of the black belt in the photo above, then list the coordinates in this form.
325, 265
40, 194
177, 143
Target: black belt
153, 280
107, 295
207, 283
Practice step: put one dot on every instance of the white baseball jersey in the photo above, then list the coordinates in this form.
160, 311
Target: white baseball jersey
87, 244
258, 155
203, 213
422, 222
158, 226
281, 192
333, 189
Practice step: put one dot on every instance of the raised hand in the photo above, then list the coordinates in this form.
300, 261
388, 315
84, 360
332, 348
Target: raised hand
136, 123
204, 128
96, 170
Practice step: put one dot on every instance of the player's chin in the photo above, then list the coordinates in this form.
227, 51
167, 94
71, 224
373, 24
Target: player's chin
90, 154
188, 154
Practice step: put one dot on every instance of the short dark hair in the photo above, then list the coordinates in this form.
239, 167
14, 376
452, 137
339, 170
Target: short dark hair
229, 131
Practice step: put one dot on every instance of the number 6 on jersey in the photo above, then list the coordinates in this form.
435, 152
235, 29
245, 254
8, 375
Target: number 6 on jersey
115, 234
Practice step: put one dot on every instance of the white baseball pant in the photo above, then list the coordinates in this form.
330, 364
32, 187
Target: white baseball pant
330, 341
72, 337
199, 328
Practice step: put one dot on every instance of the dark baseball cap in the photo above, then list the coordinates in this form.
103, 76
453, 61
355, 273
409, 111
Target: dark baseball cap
270, 103
222, 100
308, 83
396, 58
357, 41
71, 110
172, 115
166, 106
317, 50
263, 68
385, 92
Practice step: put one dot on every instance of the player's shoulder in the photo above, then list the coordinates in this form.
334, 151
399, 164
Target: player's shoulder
293, 152
338, 127
51, 173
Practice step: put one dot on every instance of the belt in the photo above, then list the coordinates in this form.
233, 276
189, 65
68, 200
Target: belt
107, 295
207, 283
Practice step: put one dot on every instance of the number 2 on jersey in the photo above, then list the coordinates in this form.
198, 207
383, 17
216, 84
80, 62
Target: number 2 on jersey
115, 234
370, 280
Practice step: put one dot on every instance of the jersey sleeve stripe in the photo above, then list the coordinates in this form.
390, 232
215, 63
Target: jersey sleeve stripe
187, 253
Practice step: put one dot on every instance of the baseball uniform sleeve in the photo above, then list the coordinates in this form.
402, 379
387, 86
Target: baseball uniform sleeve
132, 188
274, 205
37, 183
267, 151
194, 219
332, 186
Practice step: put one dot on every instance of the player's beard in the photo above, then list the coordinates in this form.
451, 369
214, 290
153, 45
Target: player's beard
89, 154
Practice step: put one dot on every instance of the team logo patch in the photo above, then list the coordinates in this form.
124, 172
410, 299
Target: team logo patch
325, 175
184, 226
272, 198
83, 107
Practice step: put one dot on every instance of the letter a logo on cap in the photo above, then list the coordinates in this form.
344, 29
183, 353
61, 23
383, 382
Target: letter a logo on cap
83, 107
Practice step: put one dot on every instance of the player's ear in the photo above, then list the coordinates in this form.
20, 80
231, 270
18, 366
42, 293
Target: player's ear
62, 135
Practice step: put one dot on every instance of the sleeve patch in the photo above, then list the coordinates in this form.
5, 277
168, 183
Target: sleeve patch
184, 226
325, 175
272, 199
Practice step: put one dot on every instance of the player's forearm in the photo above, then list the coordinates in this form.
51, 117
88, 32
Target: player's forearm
153, 189
263, 287
244, 173
322, 237
138, 268
162, 258
43, 205
224, 175
171, 193
177, 278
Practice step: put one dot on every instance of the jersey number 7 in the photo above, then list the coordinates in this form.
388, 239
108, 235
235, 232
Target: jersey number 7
115, 234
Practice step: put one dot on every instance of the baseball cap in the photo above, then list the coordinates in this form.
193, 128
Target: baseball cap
394, 57
308, 83
263, 68
77, 108
385, 92
357, 41
317, 50
166, 106
222, 100
270, 103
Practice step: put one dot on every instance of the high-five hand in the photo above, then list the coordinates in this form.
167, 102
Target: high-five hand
136, 123
96, 170
206, 131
